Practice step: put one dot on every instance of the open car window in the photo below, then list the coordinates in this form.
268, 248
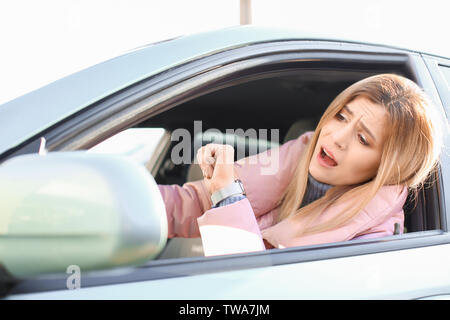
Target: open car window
137, 144
290, 103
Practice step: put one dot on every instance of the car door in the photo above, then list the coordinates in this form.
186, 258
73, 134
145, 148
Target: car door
392, 267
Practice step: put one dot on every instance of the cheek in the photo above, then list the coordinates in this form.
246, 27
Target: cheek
364, 163
328, 127
325, 133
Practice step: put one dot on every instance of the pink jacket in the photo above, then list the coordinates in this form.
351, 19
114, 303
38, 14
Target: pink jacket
242, 226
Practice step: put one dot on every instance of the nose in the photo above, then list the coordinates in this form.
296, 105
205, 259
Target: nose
341, 136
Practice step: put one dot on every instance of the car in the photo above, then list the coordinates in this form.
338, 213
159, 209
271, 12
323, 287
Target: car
269, 86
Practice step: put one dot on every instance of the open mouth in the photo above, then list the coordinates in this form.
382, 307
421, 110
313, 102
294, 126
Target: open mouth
327, 158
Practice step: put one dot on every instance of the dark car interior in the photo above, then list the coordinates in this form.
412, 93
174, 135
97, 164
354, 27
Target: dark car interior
291, 101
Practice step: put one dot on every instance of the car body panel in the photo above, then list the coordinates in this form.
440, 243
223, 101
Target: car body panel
404, 274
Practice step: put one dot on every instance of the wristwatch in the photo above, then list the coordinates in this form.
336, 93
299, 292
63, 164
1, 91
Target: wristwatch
232, 189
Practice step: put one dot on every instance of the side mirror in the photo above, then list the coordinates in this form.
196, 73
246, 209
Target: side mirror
75, 208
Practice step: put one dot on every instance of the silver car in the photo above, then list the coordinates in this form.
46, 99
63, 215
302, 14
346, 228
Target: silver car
81, 216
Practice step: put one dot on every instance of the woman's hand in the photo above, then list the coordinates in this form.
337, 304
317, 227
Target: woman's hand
217, 164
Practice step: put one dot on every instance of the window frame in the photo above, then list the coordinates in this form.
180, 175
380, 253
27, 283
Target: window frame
442, 84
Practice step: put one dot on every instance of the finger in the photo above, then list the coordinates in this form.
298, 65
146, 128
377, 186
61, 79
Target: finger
210, 160
206, 158
210, 166
203, 171
206, 164
224, 154
202, 154
209, 172
213, 157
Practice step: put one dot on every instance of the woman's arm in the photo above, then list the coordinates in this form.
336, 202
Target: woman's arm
183, 205
231, 226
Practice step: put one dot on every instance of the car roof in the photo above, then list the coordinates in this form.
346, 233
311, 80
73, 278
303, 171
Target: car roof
27, 115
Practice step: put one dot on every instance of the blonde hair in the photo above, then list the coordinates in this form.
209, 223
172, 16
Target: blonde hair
410, 152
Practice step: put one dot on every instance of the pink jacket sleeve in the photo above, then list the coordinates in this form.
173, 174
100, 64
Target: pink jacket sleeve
230, 229
183, 205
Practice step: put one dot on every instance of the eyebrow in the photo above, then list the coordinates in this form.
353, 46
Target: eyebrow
362, 124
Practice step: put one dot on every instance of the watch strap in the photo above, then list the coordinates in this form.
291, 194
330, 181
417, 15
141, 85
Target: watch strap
232, 189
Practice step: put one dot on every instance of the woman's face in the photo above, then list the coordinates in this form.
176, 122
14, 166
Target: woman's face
354, 139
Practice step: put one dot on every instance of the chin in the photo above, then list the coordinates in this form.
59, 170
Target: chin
319, 175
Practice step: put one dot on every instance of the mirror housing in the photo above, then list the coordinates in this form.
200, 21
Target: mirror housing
74, 208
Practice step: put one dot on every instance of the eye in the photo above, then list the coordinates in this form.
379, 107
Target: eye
340, 117
363, 140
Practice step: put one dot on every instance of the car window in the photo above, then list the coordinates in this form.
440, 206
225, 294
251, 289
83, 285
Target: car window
137, 144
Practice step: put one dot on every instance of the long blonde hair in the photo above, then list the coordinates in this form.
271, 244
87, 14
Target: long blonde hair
410, 152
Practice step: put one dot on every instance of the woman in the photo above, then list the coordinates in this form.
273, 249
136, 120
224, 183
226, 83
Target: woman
349, 179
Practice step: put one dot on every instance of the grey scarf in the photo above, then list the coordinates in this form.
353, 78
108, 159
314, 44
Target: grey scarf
314, 190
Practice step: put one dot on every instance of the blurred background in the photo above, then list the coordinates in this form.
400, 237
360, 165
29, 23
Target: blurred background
42, 41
